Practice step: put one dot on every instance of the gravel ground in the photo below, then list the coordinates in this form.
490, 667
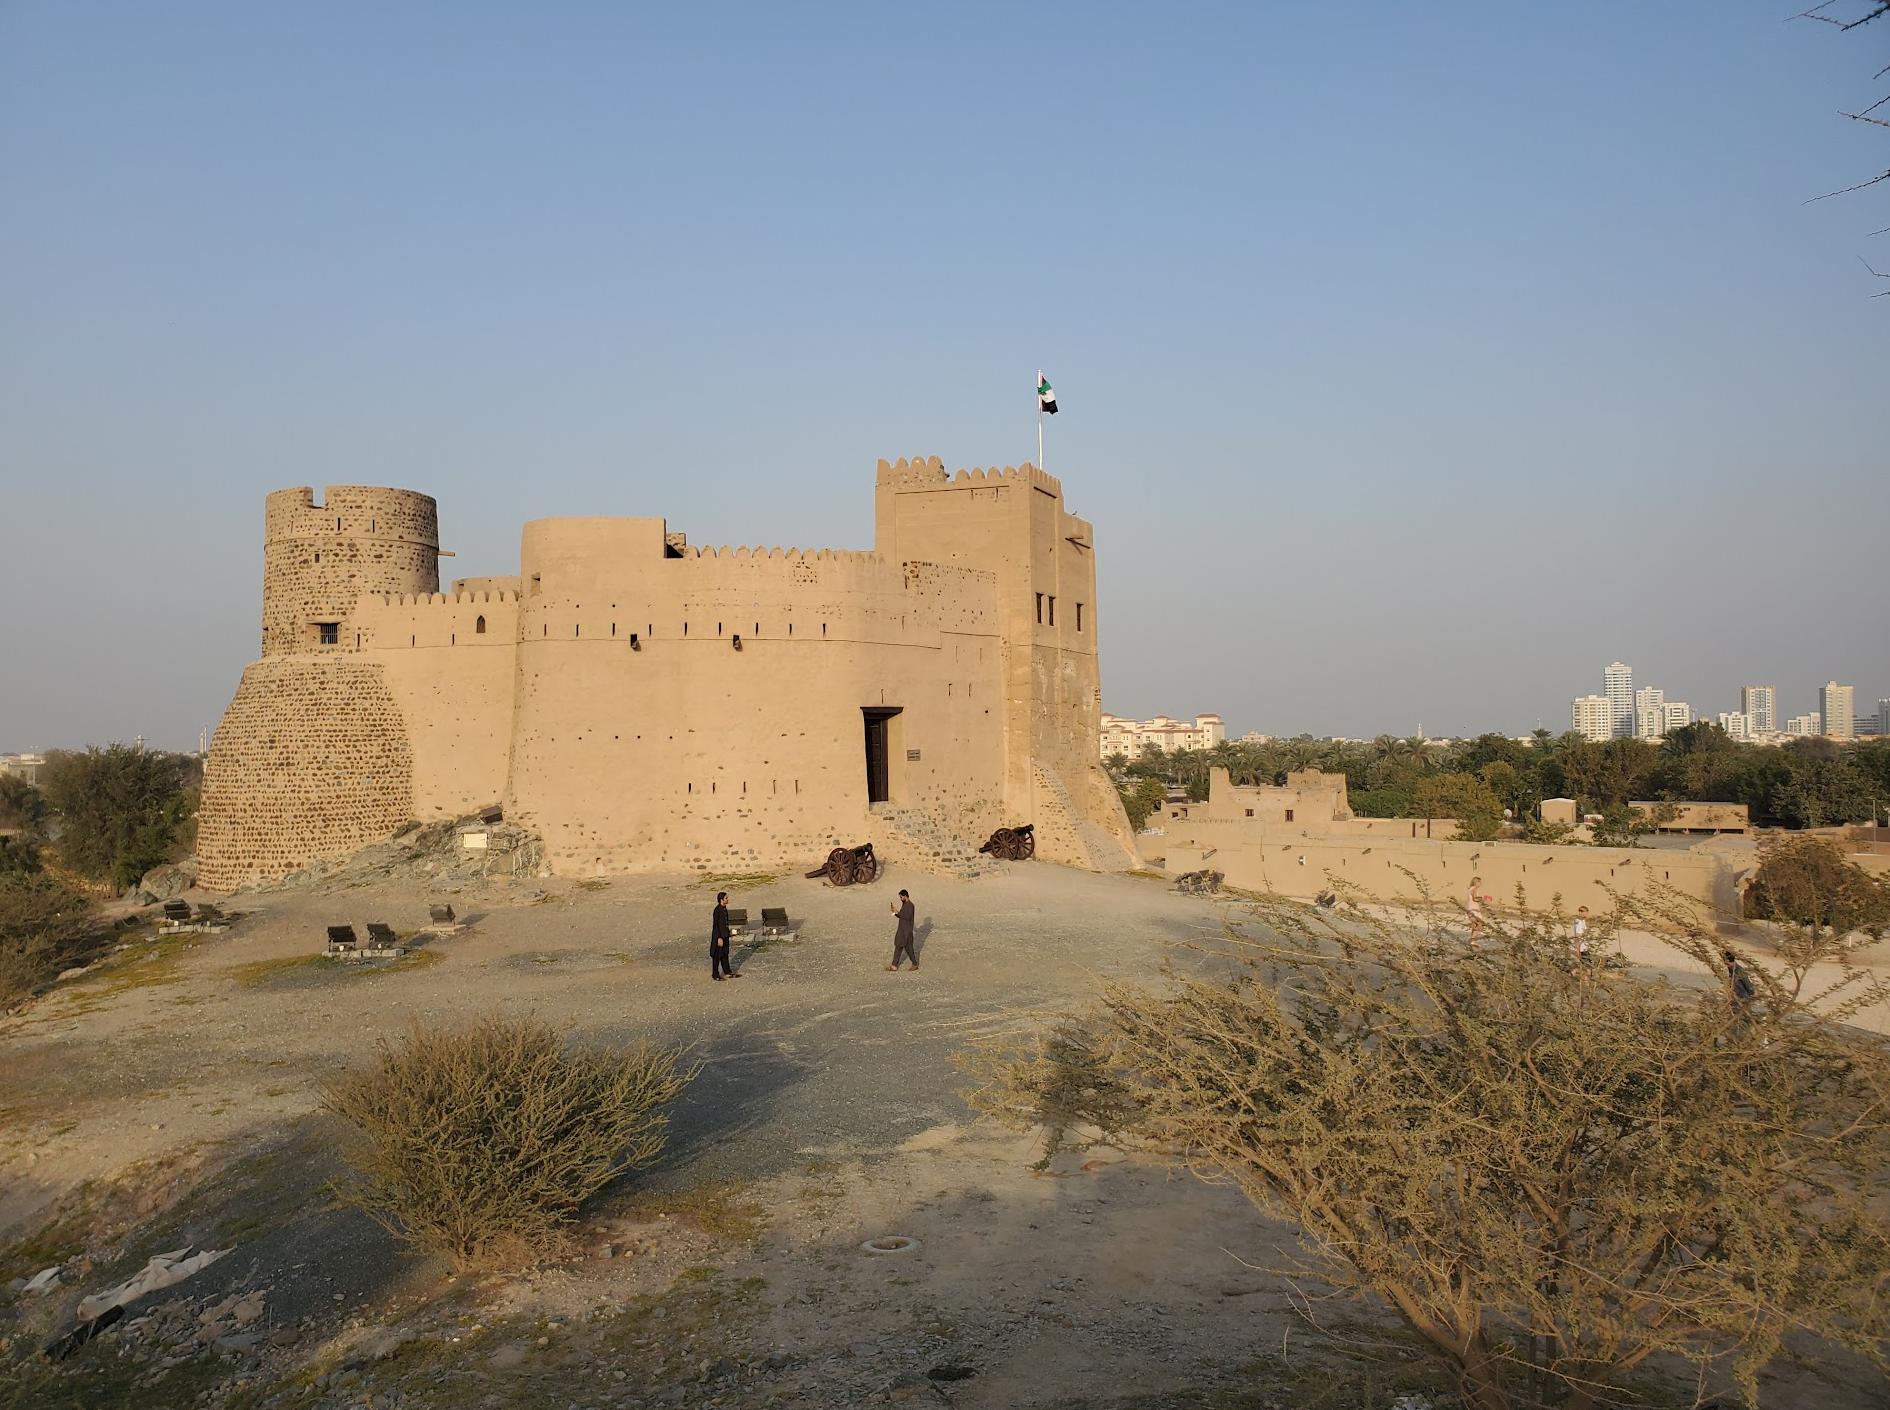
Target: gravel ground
183, 1080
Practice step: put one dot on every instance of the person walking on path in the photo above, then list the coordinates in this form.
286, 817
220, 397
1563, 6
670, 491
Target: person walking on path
1475, 904
1578, 941
720, 933
903, 937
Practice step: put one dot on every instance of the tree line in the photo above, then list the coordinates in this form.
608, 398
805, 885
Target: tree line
101, 816
1805, 783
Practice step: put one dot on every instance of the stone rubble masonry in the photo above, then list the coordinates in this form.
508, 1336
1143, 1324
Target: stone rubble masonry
319, 558
312, 759
643, 704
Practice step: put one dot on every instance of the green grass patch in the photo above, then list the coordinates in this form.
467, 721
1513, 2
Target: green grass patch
300, 971
143, 964
720, 1209
736, 880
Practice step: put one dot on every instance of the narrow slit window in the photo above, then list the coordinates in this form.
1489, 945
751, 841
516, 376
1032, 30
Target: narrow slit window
1079, 616
1040, 609
1053, 611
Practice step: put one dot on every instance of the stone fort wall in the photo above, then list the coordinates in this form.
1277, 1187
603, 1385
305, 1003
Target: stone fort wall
648, 705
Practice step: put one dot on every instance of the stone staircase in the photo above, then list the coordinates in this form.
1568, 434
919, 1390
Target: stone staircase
1065, 833
917, 837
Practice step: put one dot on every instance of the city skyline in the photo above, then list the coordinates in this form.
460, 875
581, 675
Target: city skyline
1650, 715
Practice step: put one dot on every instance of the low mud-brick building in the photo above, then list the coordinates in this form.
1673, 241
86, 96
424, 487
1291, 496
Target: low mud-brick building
646, 705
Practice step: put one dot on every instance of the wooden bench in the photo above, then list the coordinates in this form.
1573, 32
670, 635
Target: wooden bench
177, 912
381, 935
774, 920
441, 915
342, 937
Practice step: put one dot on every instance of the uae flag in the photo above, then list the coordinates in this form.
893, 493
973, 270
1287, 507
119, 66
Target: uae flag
1046, 395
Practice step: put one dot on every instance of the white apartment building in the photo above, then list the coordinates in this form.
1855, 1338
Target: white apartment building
1883, 717
1593, 717
1834, 703
1737, 724
1760, 704
1618, 686
1805, 724
1131, 737
1678, 715
22, 766
1650, 715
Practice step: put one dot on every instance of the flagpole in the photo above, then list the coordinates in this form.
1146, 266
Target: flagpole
1040, 420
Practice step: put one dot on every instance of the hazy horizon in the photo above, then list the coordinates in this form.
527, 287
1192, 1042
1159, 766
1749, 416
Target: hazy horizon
1413, 366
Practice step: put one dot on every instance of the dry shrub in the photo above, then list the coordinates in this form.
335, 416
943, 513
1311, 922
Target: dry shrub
45, 927
469, 1141
1550, 1176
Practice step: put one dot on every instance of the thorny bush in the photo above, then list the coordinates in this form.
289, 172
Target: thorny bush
484, 1140
1549, 1173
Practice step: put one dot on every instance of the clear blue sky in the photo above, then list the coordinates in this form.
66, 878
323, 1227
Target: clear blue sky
1415, 361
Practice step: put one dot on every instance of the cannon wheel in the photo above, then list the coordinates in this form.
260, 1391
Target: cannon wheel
1029, 839
1004, 844
866, 869
840, 866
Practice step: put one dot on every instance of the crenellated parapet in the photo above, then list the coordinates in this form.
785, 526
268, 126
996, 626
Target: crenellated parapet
800, 555
441, 599
930, 474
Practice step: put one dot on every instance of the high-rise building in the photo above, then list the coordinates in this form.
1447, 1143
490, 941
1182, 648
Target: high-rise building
1834, 703
1594, 717
1760, 702
1883, 717
1678, 714
1650, 716
1737, 724
1618, 686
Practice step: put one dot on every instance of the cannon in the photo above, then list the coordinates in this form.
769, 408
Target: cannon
1013, 844
1199, 883
847, 865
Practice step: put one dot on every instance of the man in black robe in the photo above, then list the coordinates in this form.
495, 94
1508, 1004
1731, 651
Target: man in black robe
720, 933
903, 937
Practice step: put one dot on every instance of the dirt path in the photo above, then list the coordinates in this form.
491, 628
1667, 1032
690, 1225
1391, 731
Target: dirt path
827, 1114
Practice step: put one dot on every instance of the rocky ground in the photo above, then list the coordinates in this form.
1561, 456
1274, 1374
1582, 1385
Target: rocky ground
167, 1099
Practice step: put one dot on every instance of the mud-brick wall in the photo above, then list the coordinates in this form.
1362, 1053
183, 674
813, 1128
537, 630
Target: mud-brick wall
312, 759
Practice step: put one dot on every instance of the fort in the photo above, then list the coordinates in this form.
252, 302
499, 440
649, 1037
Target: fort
645, 705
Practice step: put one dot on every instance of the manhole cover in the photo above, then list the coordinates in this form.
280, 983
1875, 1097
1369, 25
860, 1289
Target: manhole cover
890, 1243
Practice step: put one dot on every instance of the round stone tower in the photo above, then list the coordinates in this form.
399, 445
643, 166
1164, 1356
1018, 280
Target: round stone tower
318, 558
